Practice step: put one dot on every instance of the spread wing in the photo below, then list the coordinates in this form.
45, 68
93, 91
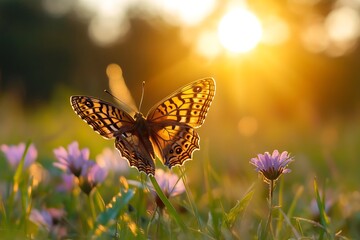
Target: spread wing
112, 122
102, 117
188, 105
173, 120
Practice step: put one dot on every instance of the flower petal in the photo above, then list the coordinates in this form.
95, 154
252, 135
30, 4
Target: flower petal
271, 166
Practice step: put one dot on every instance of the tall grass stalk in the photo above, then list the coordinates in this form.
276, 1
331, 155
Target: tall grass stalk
190, 198
17, 179
167, 203
91, 204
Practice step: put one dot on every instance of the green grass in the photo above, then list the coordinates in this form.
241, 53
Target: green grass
132, 212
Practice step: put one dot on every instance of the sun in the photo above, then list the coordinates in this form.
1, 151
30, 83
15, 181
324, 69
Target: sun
239, 30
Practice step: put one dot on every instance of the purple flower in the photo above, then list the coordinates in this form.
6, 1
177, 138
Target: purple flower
50, 220
314, 208
72, 160
14, 154
91, 175
111, 160
67, 184
169, 183
272, 166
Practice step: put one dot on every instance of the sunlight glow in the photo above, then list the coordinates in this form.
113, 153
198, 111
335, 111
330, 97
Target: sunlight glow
314, 37
208, 44
239, 30
343, 24
185, 11
335, 35
109, 19
275, 30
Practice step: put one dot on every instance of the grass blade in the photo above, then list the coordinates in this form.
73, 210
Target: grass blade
19, 170
238, 209
112, 211
167, 203
324, 220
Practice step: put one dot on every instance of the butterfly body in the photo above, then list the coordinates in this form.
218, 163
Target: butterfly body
167, 131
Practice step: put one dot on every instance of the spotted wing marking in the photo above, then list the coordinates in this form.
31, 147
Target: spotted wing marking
104, 118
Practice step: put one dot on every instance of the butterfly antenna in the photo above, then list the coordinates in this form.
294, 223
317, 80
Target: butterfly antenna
108, 92
125, 107
142, 94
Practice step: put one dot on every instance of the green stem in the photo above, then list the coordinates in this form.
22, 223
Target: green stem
3, 211
268, 227
90, 198
167, 203
99, 200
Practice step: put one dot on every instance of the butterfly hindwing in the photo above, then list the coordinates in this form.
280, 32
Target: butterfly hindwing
175, 144
103, 117
136, 153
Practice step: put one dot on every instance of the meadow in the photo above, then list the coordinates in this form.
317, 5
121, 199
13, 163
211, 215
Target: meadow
217, 195
61, 180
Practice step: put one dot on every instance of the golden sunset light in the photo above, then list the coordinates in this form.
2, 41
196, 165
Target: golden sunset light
179, 119
239, 30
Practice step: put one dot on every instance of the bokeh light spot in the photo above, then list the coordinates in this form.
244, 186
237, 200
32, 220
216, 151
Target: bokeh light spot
343, 24
57, 8
188, 12
315, 38
104, 31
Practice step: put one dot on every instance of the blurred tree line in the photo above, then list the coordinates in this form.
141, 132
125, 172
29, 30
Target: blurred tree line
39, 52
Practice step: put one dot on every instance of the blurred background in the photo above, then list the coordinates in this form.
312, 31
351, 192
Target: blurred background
287, 74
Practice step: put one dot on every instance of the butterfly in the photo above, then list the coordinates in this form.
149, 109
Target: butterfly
167, 131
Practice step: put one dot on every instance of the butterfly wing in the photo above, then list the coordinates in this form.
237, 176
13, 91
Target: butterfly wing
174, 144
136, 153
112, 122
103, 117
188, 105
173, 120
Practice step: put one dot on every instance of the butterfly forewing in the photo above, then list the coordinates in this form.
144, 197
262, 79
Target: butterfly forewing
103, 117
188, 105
